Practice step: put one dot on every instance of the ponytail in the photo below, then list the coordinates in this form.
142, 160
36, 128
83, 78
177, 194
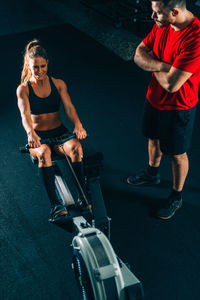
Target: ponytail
33, 49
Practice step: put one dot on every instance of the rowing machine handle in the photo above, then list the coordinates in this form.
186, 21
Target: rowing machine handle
56, 140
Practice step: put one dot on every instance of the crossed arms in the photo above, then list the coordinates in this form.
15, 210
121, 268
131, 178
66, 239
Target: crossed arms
170, 78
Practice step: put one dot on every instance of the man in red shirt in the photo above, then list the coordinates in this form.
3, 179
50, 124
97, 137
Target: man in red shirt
171, 51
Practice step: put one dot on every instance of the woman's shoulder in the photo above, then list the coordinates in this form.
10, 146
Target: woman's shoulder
59, 83
22, 88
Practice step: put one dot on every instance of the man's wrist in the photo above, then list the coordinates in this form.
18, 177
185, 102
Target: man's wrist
164, 67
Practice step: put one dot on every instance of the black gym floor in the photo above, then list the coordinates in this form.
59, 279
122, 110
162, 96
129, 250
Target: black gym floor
35, 256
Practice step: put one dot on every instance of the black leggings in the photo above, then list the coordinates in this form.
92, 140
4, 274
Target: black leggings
47, 176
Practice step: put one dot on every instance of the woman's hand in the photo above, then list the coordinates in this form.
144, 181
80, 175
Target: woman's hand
34, 140
80, 132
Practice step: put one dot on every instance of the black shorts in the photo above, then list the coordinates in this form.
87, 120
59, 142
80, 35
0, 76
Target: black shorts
56, 132
172, 127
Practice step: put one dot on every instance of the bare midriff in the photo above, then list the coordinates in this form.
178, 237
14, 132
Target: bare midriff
46, 121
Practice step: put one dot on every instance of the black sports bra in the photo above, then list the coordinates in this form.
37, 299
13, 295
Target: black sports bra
44, 105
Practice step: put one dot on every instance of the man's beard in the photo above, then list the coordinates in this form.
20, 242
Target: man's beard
161, 24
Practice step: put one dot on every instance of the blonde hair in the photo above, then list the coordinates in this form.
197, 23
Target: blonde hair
33, 49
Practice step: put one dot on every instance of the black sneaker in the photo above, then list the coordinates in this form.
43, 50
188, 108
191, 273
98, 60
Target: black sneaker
58, 211
143, 178
83, 205
170, 208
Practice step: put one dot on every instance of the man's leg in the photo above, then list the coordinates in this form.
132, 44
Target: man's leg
155, 153
150, 175
180, 167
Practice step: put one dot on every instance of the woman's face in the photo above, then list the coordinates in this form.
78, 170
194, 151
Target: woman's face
38, 67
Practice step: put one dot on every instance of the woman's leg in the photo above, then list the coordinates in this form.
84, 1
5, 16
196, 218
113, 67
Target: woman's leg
74, 150
46, 173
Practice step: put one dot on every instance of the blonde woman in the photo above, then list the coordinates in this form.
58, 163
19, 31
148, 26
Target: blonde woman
39, 97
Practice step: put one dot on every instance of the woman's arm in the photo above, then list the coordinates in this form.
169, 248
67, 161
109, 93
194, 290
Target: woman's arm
24, 107
70, 109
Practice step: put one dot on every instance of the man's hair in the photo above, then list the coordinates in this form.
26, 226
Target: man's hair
171, 4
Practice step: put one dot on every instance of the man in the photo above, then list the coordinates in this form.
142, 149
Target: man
171, 51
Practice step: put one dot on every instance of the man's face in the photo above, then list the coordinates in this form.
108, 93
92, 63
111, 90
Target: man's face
161, 15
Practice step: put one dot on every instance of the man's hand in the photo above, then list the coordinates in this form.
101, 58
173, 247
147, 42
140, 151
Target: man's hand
164, 67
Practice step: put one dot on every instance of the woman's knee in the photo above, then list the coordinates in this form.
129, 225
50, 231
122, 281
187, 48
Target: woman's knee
76, 152
44, 156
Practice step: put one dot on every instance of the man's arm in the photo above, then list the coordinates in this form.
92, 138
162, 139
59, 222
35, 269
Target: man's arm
172, 80
146, 61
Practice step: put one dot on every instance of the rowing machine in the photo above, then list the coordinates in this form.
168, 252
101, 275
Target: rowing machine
100, 274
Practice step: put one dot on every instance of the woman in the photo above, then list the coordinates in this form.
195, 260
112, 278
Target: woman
39, 97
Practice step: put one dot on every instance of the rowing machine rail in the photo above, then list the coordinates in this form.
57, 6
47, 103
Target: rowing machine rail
100, 274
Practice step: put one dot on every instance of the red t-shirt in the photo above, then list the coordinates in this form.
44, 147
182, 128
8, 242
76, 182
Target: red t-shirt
181, 49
